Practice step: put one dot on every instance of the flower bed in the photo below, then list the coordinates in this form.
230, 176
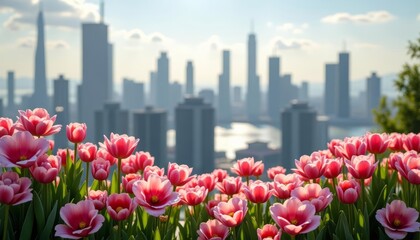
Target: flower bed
359, 188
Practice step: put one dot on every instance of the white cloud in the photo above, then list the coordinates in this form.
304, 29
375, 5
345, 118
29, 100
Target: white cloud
136, 36
280, 43
369, 17
57, 13
29, 42
269, 24
418, 17
293, 28
366, 45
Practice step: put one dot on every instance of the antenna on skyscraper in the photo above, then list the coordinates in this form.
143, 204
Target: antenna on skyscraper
102, 12
41, 6
252, 25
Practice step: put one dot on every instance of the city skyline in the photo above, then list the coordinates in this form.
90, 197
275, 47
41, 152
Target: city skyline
308, 38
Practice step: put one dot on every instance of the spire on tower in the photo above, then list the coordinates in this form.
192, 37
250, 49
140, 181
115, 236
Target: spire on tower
252, 25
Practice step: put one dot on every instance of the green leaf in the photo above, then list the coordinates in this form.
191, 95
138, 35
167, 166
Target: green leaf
50, 223
39, 212
157, 234
342, 229
321, 234
114, 183
26, 233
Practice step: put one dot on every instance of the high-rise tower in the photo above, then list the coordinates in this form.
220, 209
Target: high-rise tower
253, 87
39, 96
162, 84
343, 99
273, 103
190, 78
224, 112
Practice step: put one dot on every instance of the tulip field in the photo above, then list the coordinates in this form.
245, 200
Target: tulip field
365, 187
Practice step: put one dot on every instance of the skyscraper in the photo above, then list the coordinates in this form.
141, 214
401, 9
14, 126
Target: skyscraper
273, 88
111, 118
175, 95
224, 111
110, 71
287, 92
253, 97
304, 91
330, 90
298, 126
207, 95
190, 78
194, 126
343, 99
373, 93
133, 95
39, 96
152, 90
162, 90
61, 109
11, 92
237, 94
150, 126
95, 73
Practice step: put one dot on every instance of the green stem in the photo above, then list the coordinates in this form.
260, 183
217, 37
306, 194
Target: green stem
119, 230
75, 153
6, 221
259, 215
247, 180
119, 175
362, 185
87, 178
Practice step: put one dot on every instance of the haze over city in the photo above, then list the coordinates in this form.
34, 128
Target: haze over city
306, 34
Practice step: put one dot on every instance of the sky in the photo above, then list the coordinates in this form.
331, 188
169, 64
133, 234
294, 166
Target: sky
306, 34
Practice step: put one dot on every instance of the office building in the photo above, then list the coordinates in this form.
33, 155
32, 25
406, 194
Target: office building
133, 95
11, 108
224, 110
343, 91
237, 94
253, 97
39, 96
150, 126
190, 79
95, 74
330, 90
152, 89
111, 118
304, 91
194, 126
373, 94
162, 85
273, 101
61, 108
207, 95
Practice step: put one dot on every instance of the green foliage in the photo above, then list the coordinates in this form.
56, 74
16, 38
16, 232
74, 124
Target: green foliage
407, 116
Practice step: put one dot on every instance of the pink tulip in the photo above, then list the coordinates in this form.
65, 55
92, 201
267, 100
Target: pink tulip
348, 191
362, 167
46, 168
283, 185
353, 146
230, 185
153, 170
80, 220
313, 193
179, 175
51, 145
295, 217
141, 160
38, 122
396, 143
98, 198
411, 141
333, 146
409, 167
258, 170
398, 219
120, 206
7, 127
155, 194
62, 153
103, 153
87, 152
207, 180
127, 166
100, 169
128, 181
120, 146
397, 156
310, 167
257, 192
272, 172
14, 190
193, 196
76, 132
211, 205
376, 143
231, 213
246, 167
21, 149
333, 167
267, 232
212, 230
220, 174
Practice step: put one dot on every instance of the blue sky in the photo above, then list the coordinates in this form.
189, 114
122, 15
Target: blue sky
306, 34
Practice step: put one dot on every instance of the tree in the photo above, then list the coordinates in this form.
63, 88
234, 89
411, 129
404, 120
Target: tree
406, 117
